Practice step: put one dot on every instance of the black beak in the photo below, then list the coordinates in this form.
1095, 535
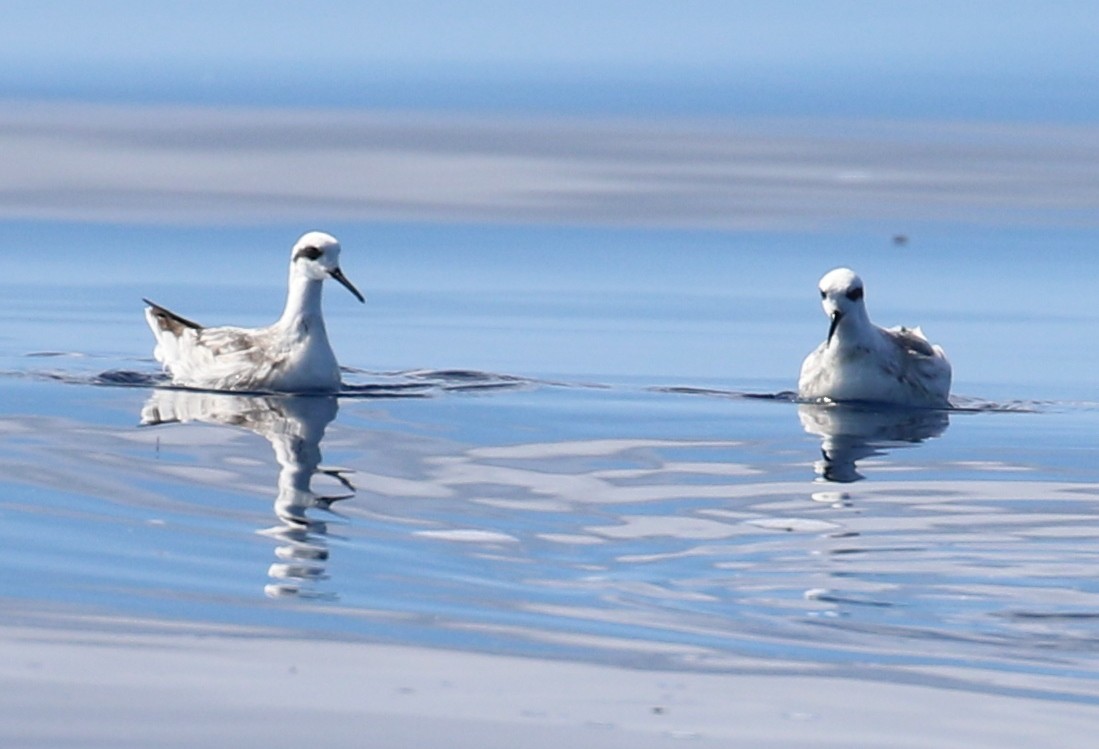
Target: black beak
337, 274
836, 317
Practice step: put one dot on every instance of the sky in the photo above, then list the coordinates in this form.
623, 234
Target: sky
974, 59
605, 33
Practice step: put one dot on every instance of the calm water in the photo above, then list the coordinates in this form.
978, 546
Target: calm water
589, 238
544, 455
567, 431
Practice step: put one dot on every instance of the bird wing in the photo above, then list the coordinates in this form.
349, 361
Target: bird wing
169, 321
235, 358
222, 358
922, 364
912, 340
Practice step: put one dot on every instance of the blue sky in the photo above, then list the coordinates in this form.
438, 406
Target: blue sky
975, 59
618, 34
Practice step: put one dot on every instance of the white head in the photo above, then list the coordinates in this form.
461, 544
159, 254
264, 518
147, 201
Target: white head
841, 296
317, 257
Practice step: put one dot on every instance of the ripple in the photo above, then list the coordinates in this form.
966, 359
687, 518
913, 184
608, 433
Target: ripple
619, 532
958, 402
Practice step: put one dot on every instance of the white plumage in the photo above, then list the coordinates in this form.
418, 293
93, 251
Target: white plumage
291, 355
860, 361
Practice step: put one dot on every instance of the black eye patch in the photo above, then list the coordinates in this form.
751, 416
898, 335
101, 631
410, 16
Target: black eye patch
823, 294
855, 294
312, 253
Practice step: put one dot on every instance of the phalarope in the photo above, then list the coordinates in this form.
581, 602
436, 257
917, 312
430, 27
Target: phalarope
861, 362
292, 355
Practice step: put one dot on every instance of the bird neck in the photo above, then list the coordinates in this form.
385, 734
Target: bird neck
303, 303
854, 329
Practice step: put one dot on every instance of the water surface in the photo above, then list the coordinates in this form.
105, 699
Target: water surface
567, 433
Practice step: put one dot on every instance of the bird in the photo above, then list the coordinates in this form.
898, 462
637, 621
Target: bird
860, 361
291, 355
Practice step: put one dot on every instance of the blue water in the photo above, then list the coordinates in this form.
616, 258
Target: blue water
682, 527
554, 468
567, 429
731, 309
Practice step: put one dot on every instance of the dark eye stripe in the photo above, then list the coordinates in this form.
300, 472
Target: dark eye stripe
855, 294
309, 252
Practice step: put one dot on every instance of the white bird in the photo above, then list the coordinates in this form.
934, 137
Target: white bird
861, 362
292, 355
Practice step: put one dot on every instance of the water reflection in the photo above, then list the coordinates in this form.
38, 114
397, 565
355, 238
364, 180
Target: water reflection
294, 425
850, 433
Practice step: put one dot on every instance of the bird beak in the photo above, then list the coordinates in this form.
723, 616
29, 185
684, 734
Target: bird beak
836, 317
337, 274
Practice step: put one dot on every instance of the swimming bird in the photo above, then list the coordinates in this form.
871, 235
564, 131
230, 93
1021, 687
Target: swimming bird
292, 355
861, 362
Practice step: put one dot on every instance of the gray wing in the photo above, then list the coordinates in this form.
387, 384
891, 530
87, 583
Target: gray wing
912, 340
169, 321
923, 366
240, 359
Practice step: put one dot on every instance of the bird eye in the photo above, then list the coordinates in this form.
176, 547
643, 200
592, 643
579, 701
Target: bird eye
312, 253
823, 294
855, 294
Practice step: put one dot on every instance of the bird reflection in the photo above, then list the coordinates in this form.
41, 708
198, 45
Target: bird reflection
294, 425
851, 432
